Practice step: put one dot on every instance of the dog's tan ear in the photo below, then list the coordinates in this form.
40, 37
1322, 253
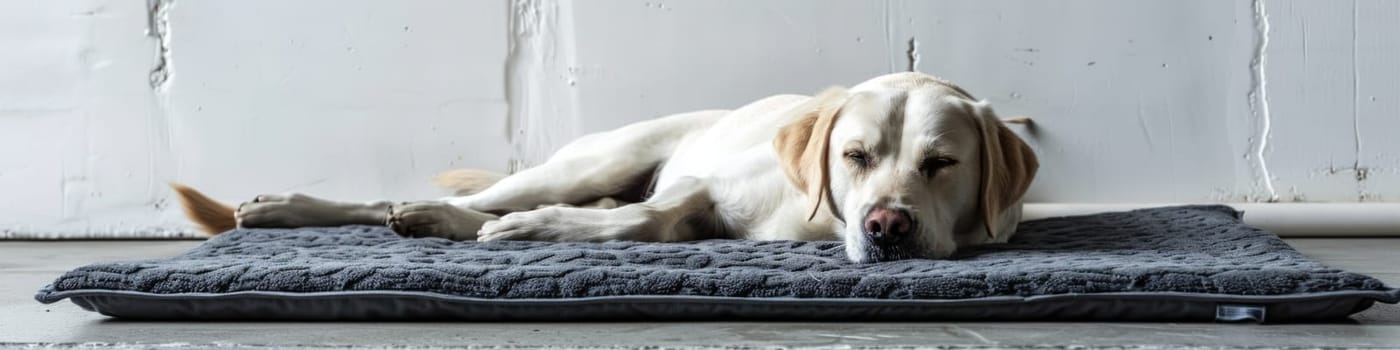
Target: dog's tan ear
803, 147
1008, 166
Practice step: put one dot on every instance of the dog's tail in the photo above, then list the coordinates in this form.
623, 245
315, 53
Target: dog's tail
211, 216
464, 182
1018, 120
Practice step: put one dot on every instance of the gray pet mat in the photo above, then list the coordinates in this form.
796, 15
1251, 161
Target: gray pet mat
1178, 263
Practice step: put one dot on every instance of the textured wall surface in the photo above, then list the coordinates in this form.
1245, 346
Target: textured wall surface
102, 103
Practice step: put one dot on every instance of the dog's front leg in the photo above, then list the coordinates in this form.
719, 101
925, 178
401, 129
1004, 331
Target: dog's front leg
677, 213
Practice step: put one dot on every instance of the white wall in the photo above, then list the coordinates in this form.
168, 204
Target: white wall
102, 102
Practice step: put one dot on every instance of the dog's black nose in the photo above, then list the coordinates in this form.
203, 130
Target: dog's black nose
887, 226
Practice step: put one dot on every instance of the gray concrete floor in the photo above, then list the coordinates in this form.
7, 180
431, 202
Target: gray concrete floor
24, 323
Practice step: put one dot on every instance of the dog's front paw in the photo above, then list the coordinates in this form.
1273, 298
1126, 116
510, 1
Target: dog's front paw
534, 225
435, 219
566, 224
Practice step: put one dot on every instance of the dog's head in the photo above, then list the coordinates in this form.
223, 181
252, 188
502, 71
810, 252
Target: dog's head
913, 166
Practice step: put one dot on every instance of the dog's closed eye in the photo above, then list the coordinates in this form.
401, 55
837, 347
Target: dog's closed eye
858, 157
930, 166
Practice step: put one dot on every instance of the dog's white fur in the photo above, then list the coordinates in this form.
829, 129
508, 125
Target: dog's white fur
786, 167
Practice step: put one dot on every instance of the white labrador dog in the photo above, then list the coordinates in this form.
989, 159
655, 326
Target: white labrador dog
901, 166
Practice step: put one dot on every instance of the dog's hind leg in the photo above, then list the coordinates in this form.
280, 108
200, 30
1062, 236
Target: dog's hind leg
413, 219
300, 210
596, 166
589, 170
277, 210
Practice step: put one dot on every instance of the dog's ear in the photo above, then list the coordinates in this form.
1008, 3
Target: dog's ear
803, 147
1008, 166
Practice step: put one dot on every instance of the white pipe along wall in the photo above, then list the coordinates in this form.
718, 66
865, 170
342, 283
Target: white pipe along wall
1288, 109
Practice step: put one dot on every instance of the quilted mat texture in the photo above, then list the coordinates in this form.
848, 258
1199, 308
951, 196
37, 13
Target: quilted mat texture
1196, 249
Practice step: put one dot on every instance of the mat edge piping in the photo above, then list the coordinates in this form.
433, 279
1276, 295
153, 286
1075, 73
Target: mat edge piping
1390, 296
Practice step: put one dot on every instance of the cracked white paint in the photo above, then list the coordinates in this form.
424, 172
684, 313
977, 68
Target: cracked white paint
913, 55
1149, 101
1360, 171
1259, 103
351, 99
1326, 61
162, 162
158, 28
540, 76
1376, 82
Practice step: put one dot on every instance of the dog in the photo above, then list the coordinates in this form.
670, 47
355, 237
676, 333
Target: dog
901, 166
